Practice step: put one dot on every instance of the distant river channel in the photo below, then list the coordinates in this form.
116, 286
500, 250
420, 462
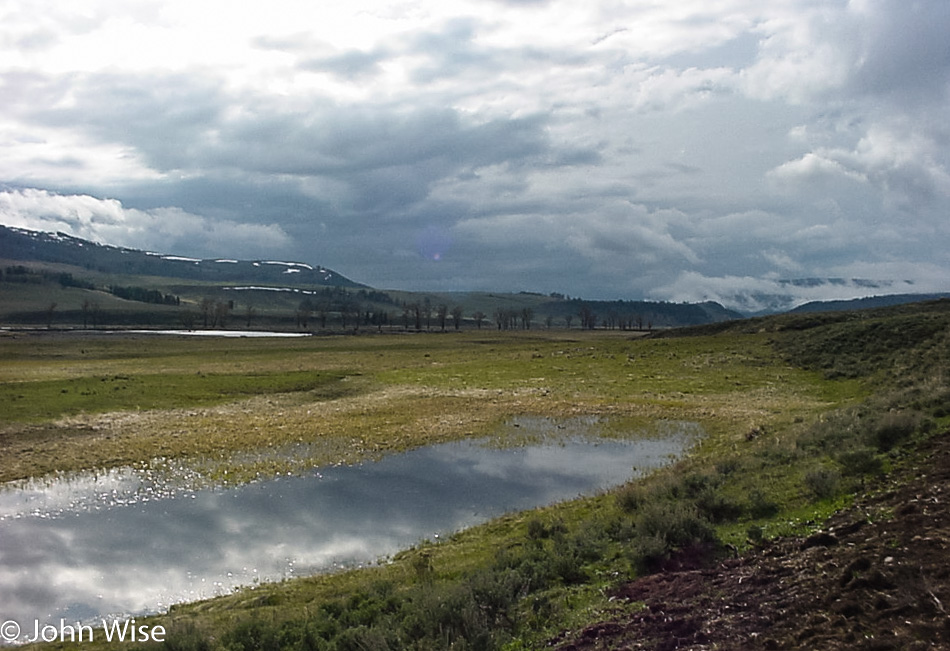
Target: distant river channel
114, 544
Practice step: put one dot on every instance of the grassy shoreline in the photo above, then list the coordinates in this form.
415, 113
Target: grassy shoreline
798, 418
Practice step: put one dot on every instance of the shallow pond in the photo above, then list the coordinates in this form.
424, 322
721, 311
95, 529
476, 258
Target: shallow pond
120, 543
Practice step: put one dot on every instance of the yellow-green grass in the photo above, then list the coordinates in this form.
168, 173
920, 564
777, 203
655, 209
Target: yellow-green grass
50, 399
72, 402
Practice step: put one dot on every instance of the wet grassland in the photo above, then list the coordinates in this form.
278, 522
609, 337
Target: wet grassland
109, 400
799, 414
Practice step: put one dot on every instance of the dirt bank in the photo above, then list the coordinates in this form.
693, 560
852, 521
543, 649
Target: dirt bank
877, 576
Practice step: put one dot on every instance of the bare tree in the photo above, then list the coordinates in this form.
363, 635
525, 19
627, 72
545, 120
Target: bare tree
479, 317
220, 315
323, 310
507, 319
427, 308
588, 318
249, 313
303, 313
526, 315
49, 315
207, 306
86, 306
355, 309
187, 318
442, 313
417, 314
457, 316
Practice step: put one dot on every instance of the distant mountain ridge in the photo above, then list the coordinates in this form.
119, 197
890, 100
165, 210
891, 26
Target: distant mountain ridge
867, 302
817, 294
22, 244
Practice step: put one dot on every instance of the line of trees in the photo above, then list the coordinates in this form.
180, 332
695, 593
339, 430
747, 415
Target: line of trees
417, 313
613, 320
345, 309
425, 315
144, 295
510, 319
215, 313
21, 274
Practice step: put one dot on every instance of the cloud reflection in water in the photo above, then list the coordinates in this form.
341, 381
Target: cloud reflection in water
132, 555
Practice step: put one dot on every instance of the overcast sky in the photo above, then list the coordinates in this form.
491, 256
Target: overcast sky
604, 149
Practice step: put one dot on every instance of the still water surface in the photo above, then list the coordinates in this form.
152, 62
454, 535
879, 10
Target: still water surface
120, 543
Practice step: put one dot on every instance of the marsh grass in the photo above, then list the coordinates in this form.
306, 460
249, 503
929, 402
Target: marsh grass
30, 402
108, 400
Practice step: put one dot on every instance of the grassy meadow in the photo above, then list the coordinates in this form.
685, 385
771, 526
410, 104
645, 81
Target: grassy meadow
800, 413
72, 402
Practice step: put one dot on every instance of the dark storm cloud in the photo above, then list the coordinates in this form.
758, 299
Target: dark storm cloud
336, 141
385, 157
903, 51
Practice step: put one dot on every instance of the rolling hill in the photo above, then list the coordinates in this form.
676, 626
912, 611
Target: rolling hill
25, 245
54, 279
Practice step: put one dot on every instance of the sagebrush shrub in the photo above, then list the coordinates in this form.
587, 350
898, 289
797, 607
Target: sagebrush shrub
823, 482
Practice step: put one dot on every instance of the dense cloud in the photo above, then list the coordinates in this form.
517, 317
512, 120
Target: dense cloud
678, 151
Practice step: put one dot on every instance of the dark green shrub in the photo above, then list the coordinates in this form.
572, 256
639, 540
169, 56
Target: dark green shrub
760, 506
717, 507
451, 617
537, 530
591, 539
727, 467
303, 636
837, 430
677, 524
631, 497
862, 461
649, 552
186, 637
362, 609
620, 529
321, 627
421, 564
362, 638
253, 635
892, 429
496, 592
530, 564
333, 609
823, 482
567, 566
695, 484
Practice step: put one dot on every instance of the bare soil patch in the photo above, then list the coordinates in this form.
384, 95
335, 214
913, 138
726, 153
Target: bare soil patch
876, 576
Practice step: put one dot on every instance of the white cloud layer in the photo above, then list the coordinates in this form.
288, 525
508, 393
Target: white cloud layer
600, 149
160, 229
